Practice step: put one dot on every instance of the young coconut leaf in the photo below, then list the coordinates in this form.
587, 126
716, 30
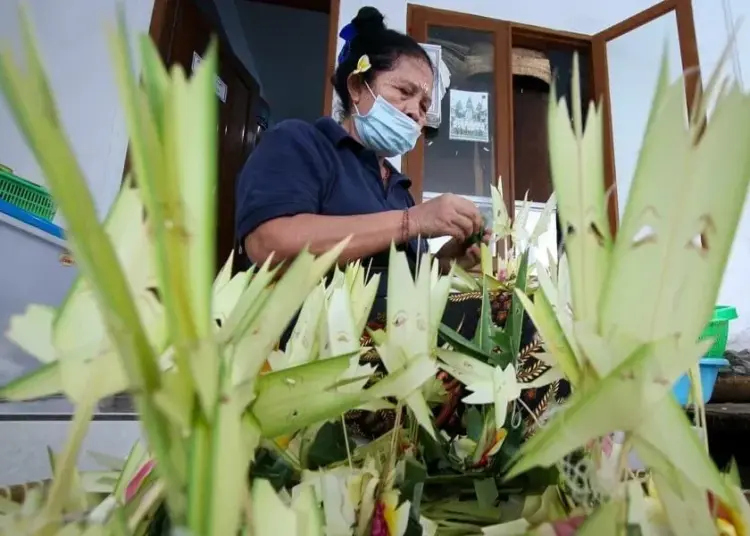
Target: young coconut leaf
542, 224
579, 187
29, 98
254, 339
688, 236
414, 310
303, 343
644, 379
501, 223
631, 355
79, 344
296, 397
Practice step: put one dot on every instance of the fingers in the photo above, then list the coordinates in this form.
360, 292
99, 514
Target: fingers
487, 236
470, 210
472, 257
463, 227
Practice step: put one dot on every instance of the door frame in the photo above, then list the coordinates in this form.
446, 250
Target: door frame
334, 13
509, 34
163, 15
164, 12
163, 20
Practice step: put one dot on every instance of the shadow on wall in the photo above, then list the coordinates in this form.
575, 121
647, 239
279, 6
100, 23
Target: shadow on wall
289, 47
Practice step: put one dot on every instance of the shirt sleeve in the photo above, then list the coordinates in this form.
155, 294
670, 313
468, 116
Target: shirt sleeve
285, 175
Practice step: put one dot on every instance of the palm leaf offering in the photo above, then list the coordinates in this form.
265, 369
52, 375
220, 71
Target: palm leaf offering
247, 436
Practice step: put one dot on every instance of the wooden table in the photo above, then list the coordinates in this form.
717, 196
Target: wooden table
728, 436
728, 416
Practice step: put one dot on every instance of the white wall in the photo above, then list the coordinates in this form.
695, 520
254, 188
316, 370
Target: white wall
634, 63
73, 41
24, 457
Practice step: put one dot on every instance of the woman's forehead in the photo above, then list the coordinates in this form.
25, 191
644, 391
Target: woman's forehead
411, 71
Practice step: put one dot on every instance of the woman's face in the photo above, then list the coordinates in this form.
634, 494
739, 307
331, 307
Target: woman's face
408, 87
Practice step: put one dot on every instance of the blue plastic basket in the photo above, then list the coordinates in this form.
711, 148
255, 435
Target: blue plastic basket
709, 371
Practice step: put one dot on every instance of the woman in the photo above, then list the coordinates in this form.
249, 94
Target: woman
317, 184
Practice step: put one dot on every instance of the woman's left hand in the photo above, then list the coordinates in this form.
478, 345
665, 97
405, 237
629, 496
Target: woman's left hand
466, 257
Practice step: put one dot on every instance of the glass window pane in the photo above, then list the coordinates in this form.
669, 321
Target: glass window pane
459, 155
533, 73
632, 80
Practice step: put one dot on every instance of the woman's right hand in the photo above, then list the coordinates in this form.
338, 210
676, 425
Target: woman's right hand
447, 215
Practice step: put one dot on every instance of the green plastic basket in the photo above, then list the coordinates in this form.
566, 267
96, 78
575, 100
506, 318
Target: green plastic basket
27, 196
718, 329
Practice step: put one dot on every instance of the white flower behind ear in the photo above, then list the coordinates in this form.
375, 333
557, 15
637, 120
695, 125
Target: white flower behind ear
363, 64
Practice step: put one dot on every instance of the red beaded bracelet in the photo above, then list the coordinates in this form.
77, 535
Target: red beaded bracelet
405, 227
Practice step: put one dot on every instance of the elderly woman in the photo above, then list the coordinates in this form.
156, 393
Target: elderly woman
318, 183
315, 184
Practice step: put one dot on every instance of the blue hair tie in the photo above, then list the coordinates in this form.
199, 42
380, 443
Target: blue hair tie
347, 33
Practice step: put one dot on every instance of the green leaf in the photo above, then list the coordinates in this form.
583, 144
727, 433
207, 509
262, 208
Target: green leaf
501, 340
40, 382
543, 316
606, 519
253, 341
486, 491
577, 165
662, 237
463, 345
644, 379
270, 515
299, 396
654, 442
31, 104
483, 333
415, 475
474, 424
515, 319
230, 459
329, 446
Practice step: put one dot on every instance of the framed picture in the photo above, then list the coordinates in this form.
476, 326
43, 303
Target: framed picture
469, 116
435, 52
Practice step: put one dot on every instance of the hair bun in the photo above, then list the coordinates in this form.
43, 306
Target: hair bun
369, 21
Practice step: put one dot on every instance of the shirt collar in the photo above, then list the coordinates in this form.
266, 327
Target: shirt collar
338, 136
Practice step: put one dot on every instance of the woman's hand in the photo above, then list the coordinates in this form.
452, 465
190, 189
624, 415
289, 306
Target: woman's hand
447, 215
467, 256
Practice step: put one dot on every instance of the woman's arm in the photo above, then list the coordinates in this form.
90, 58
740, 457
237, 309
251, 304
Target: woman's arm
287, 236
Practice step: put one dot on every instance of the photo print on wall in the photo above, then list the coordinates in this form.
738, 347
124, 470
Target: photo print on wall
469, 116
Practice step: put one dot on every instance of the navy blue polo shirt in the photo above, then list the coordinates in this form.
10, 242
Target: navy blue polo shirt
303, 168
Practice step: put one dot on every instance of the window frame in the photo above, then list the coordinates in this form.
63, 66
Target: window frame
508, 34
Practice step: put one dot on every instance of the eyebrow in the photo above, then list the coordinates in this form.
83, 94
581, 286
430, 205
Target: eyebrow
416, 88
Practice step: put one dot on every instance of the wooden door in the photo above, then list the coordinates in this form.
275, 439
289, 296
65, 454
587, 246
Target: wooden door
182, 37
235, 120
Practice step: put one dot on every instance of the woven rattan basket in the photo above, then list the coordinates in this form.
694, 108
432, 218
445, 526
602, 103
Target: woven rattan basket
525, 62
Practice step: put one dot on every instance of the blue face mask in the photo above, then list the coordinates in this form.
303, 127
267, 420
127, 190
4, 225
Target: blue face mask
385, 129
